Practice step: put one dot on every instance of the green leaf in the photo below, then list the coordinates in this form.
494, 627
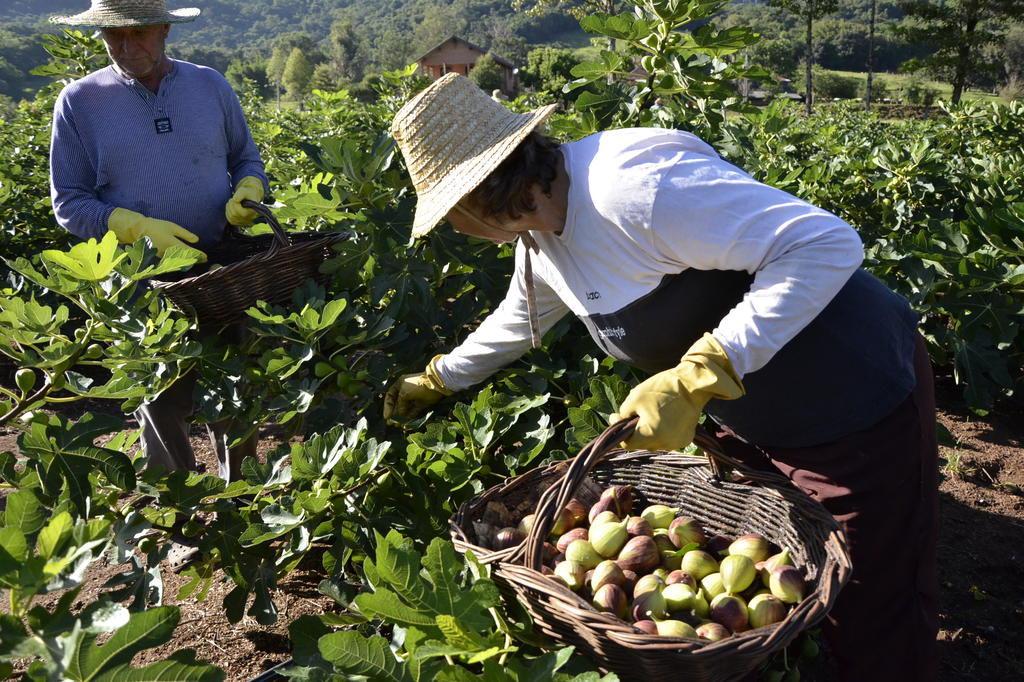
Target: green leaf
144, 630
354, 654
90, 261
182, 666
25, 512
53, 536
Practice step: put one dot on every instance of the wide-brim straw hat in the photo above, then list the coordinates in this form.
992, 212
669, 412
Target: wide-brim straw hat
453, 135
125, 13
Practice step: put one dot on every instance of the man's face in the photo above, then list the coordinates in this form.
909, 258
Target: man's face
469, 220
137, 51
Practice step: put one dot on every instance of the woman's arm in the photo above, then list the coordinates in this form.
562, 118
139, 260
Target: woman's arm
710, 215
504, 335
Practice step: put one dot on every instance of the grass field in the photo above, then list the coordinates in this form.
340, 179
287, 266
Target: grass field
895, 83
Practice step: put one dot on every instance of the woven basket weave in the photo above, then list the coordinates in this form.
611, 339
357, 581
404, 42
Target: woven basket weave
264, 268
758, 502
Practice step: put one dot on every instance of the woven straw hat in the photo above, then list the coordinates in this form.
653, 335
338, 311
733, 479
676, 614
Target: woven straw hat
453, 135
124, 13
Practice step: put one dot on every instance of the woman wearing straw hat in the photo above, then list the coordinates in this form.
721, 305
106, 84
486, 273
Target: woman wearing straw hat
740, 300
157, 148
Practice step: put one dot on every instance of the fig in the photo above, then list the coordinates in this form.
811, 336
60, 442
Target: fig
649, 605
611, 599
25, 380
712, 631
566, 538
712, 585
661, 573
639, 555
685, 531
730, 611
599, 507
701, 608
663, 541
608, 538
638, 525
508, 537
582, 552
571, 573
630, 582
526, 523
718, 545
787, 584
604, 517
648, 627
679, 597
753, 546
606, 573
764, 609
698, 563
578, 511
737, 572
648, 583
546, 570
549, 552
681, 577
675, 628
771, 563
659, 515
622, 496
671, 561
563, 522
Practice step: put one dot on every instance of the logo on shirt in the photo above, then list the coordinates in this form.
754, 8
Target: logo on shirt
593, 295
612, 333
163, 125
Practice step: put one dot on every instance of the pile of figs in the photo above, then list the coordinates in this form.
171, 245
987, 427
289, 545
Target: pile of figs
662, 572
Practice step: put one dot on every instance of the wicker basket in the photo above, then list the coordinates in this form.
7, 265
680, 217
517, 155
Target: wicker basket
264, 268
758, 502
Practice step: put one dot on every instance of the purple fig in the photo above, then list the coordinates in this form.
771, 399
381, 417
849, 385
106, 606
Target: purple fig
787, 584
679, 576
571, 573
606, 573
649, 605
699, 563
568, 537
685, 531
508, 537
659, 515
638, 525
738, 573
730, 611
546, 570
648, 583
712, 631
563, 522
611, 599
630, 581
578, 511
718, 545
549, 552
675, 628
599, 507
640, 555
663, 541
648, 627
582, 552
765, 609
753, 546
771, 563
622, 495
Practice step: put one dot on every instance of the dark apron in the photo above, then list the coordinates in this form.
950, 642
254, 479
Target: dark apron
851, 366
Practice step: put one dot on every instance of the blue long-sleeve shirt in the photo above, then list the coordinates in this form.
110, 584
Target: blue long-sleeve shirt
175, 155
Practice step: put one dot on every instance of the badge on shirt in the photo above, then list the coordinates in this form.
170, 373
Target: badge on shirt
163, 125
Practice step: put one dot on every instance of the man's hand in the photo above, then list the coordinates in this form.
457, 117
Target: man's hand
130, 226
411, 394
250, 188
670, 402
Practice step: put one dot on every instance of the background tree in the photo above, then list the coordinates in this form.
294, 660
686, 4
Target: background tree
325, 77
958, 31
298, 73
871, 55
488, 74
242, 71
346, 51
548, 69
576, 8
275, 69
809, 11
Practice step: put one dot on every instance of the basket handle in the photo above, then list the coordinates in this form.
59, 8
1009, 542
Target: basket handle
264, 211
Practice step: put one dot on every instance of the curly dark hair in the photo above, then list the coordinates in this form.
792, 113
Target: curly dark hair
507, 189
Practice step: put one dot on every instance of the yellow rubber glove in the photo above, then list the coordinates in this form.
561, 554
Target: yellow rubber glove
130, 227
250, 188
670, 402
412, 394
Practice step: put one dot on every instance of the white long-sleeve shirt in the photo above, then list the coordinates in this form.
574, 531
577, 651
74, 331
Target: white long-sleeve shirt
648, 203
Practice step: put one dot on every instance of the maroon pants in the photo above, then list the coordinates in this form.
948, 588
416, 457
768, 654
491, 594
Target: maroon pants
881, 484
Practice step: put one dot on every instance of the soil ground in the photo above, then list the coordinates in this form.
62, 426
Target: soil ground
981, 564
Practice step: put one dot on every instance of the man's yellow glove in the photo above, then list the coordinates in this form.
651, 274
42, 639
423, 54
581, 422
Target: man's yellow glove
250, 188
412, 394
670, 402
130, 226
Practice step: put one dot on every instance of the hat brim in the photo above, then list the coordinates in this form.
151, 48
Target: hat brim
432, 206
92, 19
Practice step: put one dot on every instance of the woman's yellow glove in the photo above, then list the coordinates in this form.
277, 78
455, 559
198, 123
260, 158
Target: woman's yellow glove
250, 188
130, 226
670, 402
412, 394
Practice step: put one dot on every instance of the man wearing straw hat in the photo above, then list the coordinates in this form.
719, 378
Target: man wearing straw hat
157, 148
739, 300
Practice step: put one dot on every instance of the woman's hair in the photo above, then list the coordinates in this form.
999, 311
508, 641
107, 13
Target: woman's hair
507, 189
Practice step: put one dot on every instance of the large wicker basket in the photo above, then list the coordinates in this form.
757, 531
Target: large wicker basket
745, 501
262, 268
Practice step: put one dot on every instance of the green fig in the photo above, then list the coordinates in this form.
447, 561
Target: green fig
754, 547
583, 553
571, 573
575, 534
712, 631
765, 609
649, 605
647, 583
738, 573
701, 608
648, 627
787, 584
606, 573
679, 597
771, 563
563, 522
671, 561
712, 586
698, 563
622, 496
659, 515
675, 628
685, 531
604, 517
526, 524
608, 538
